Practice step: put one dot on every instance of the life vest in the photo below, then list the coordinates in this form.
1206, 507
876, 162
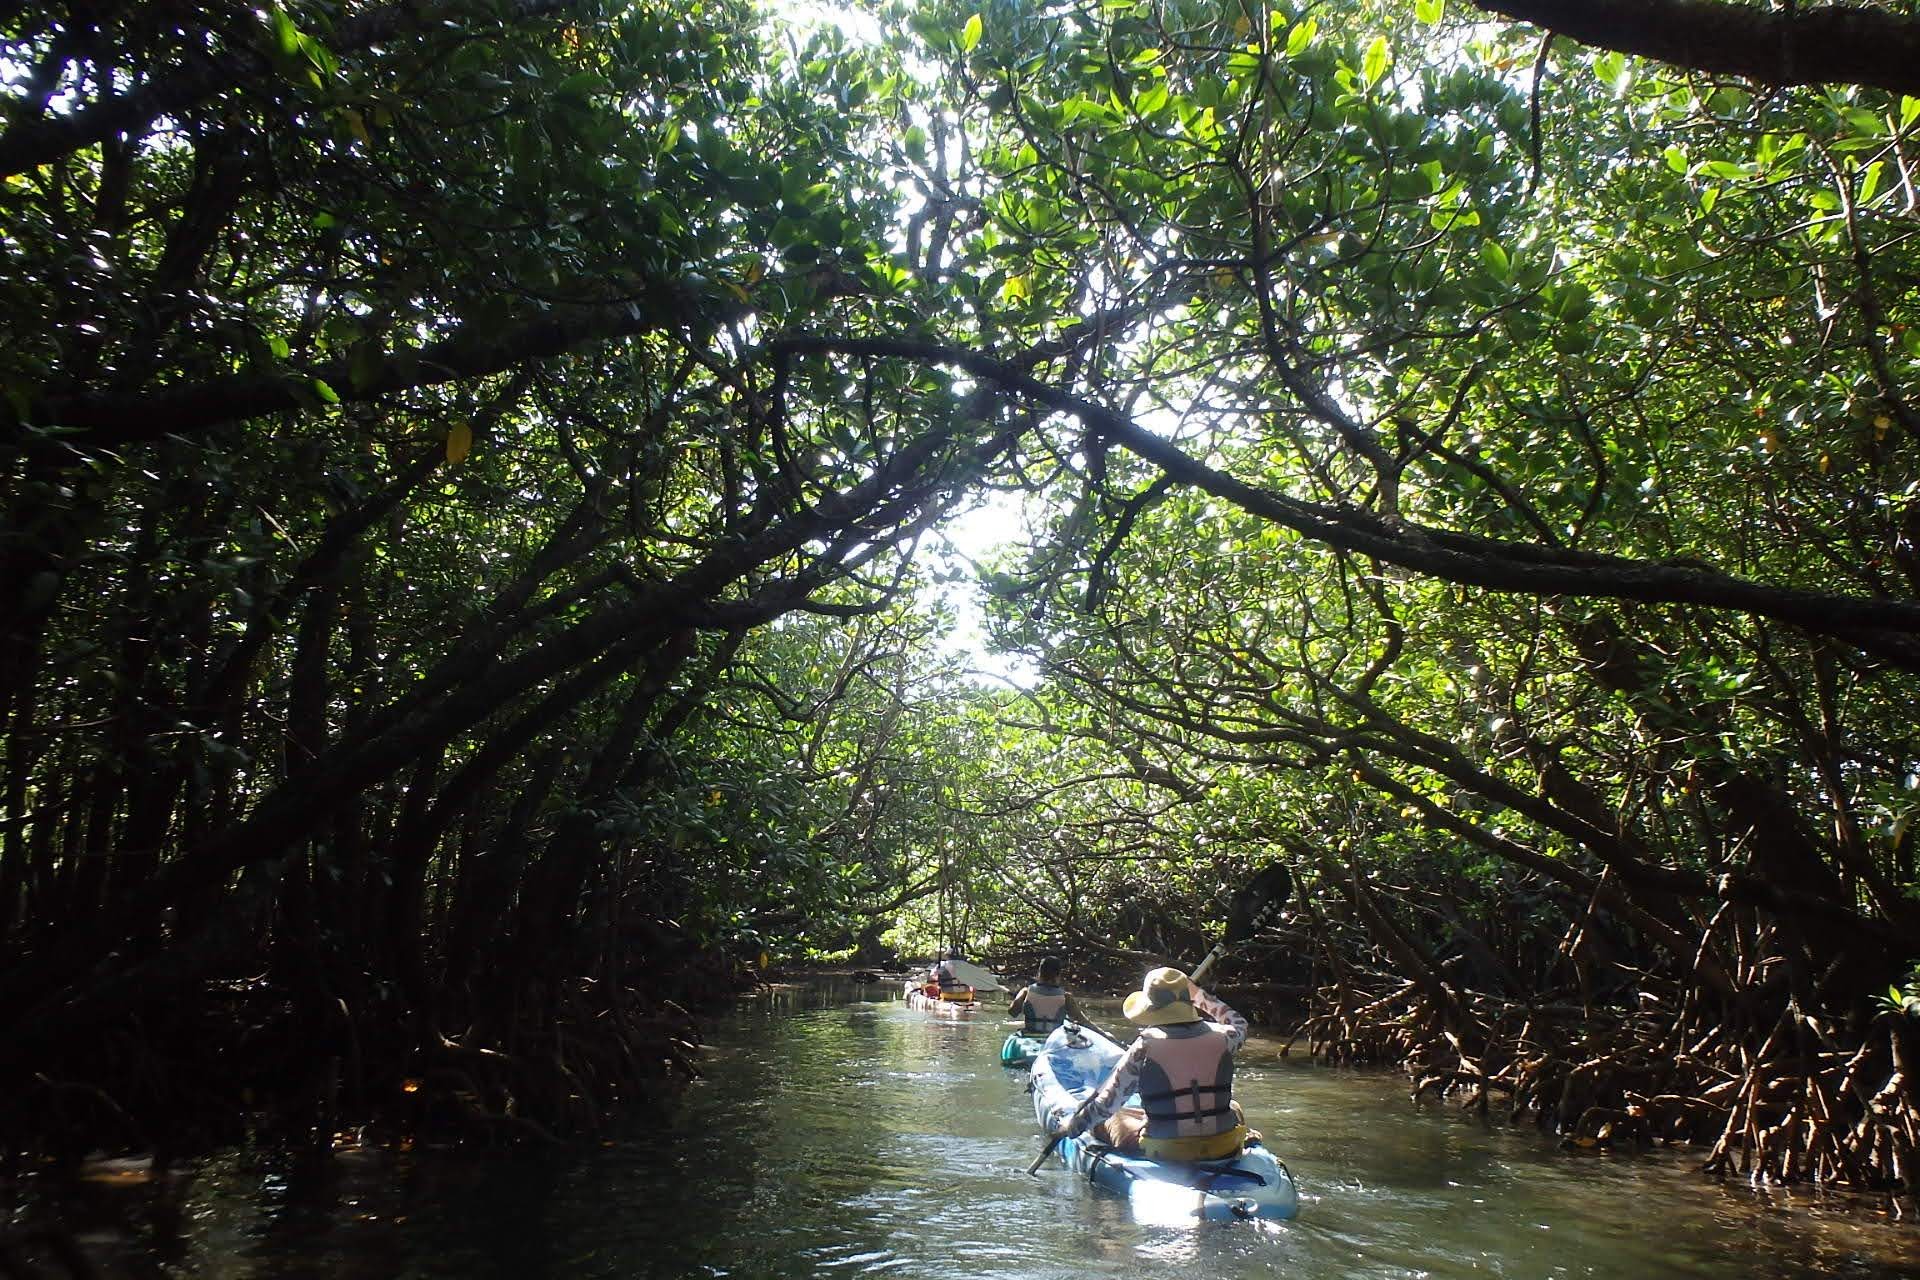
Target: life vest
944, 975
1186, 1083
1045, 1008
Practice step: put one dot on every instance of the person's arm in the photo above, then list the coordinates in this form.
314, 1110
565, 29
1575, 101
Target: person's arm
1019, 1002
1108, 1098
1215, 1010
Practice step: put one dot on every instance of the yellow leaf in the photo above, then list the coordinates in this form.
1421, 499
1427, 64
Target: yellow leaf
1881, 425
756, 269
736, 290
459, 442
358, 123
1826, 462
1015, 289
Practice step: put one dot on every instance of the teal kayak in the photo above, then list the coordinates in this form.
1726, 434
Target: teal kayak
1019, 1050
1254, 1184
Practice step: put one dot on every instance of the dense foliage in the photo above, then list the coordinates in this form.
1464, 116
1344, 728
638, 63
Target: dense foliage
470, 471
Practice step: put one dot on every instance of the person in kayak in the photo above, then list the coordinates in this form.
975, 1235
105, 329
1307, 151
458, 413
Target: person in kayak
1182, 1066
942, 979
1044, 1002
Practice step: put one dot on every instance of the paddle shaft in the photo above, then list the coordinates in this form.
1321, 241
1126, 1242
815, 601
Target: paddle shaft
1200, 970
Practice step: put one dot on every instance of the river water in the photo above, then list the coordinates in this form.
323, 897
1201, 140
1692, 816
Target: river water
838, 1133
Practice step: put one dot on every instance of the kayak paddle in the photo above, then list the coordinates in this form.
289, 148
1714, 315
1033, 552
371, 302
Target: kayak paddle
1033, 1170
1053, 1140
1254, 906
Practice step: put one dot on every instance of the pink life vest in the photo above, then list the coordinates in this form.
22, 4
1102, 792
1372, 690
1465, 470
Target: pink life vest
1186, 1083
1045, 1007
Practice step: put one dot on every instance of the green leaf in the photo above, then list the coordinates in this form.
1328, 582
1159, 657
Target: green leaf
1909, 111
1870, 181
971, 33
285, 35
1301, 37
1429, 11
584, 84
1378, 58
278, 346
325, 392
1496, 260
1676, 158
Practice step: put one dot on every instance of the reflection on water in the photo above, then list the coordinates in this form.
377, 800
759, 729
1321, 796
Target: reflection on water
838, 1133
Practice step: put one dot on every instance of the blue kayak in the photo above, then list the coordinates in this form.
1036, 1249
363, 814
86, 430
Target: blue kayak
1019, 1050
1072, 1063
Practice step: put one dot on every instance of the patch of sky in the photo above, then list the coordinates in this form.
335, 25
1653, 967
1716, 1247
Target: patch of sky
967, 542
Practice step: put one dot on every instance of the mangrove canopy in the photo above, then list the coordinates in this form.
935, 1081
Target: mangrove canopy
479, 569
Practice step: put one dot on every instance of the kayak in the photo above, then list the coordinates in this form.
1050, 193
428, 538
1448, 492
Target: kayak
1254, 1184
1020, 1050
960, 1001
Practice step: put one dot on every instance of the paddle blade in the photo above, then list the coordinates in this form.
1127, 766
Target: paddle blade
1258, 901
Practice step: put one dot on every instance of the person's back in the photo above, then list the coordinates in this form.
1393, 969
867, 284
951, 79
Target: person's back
1044, 1003
1182, 1067
1186, 1082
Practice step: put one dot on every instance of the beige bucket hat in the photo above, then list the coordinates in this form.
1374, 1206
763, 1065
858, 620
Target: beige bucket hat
1162, 1000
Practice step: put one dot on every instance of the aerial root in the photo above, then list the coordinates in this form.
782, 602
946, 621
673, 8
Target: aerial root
1791, 1110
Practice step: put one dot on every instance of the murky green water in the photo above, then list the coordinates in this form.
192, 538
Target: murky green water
834, 1138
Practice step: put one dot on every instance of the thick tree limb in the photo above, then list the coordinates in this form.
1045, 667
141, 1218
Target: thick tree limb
1809, 44
1888, 629
473, 351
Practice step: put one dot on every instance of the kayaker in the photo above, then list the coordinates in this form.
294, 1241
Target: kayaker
1044, 1002
942, 978
1182, 1066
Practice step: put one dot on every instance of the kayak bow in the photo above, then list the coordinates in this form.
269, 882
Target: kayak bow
1019, 1050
